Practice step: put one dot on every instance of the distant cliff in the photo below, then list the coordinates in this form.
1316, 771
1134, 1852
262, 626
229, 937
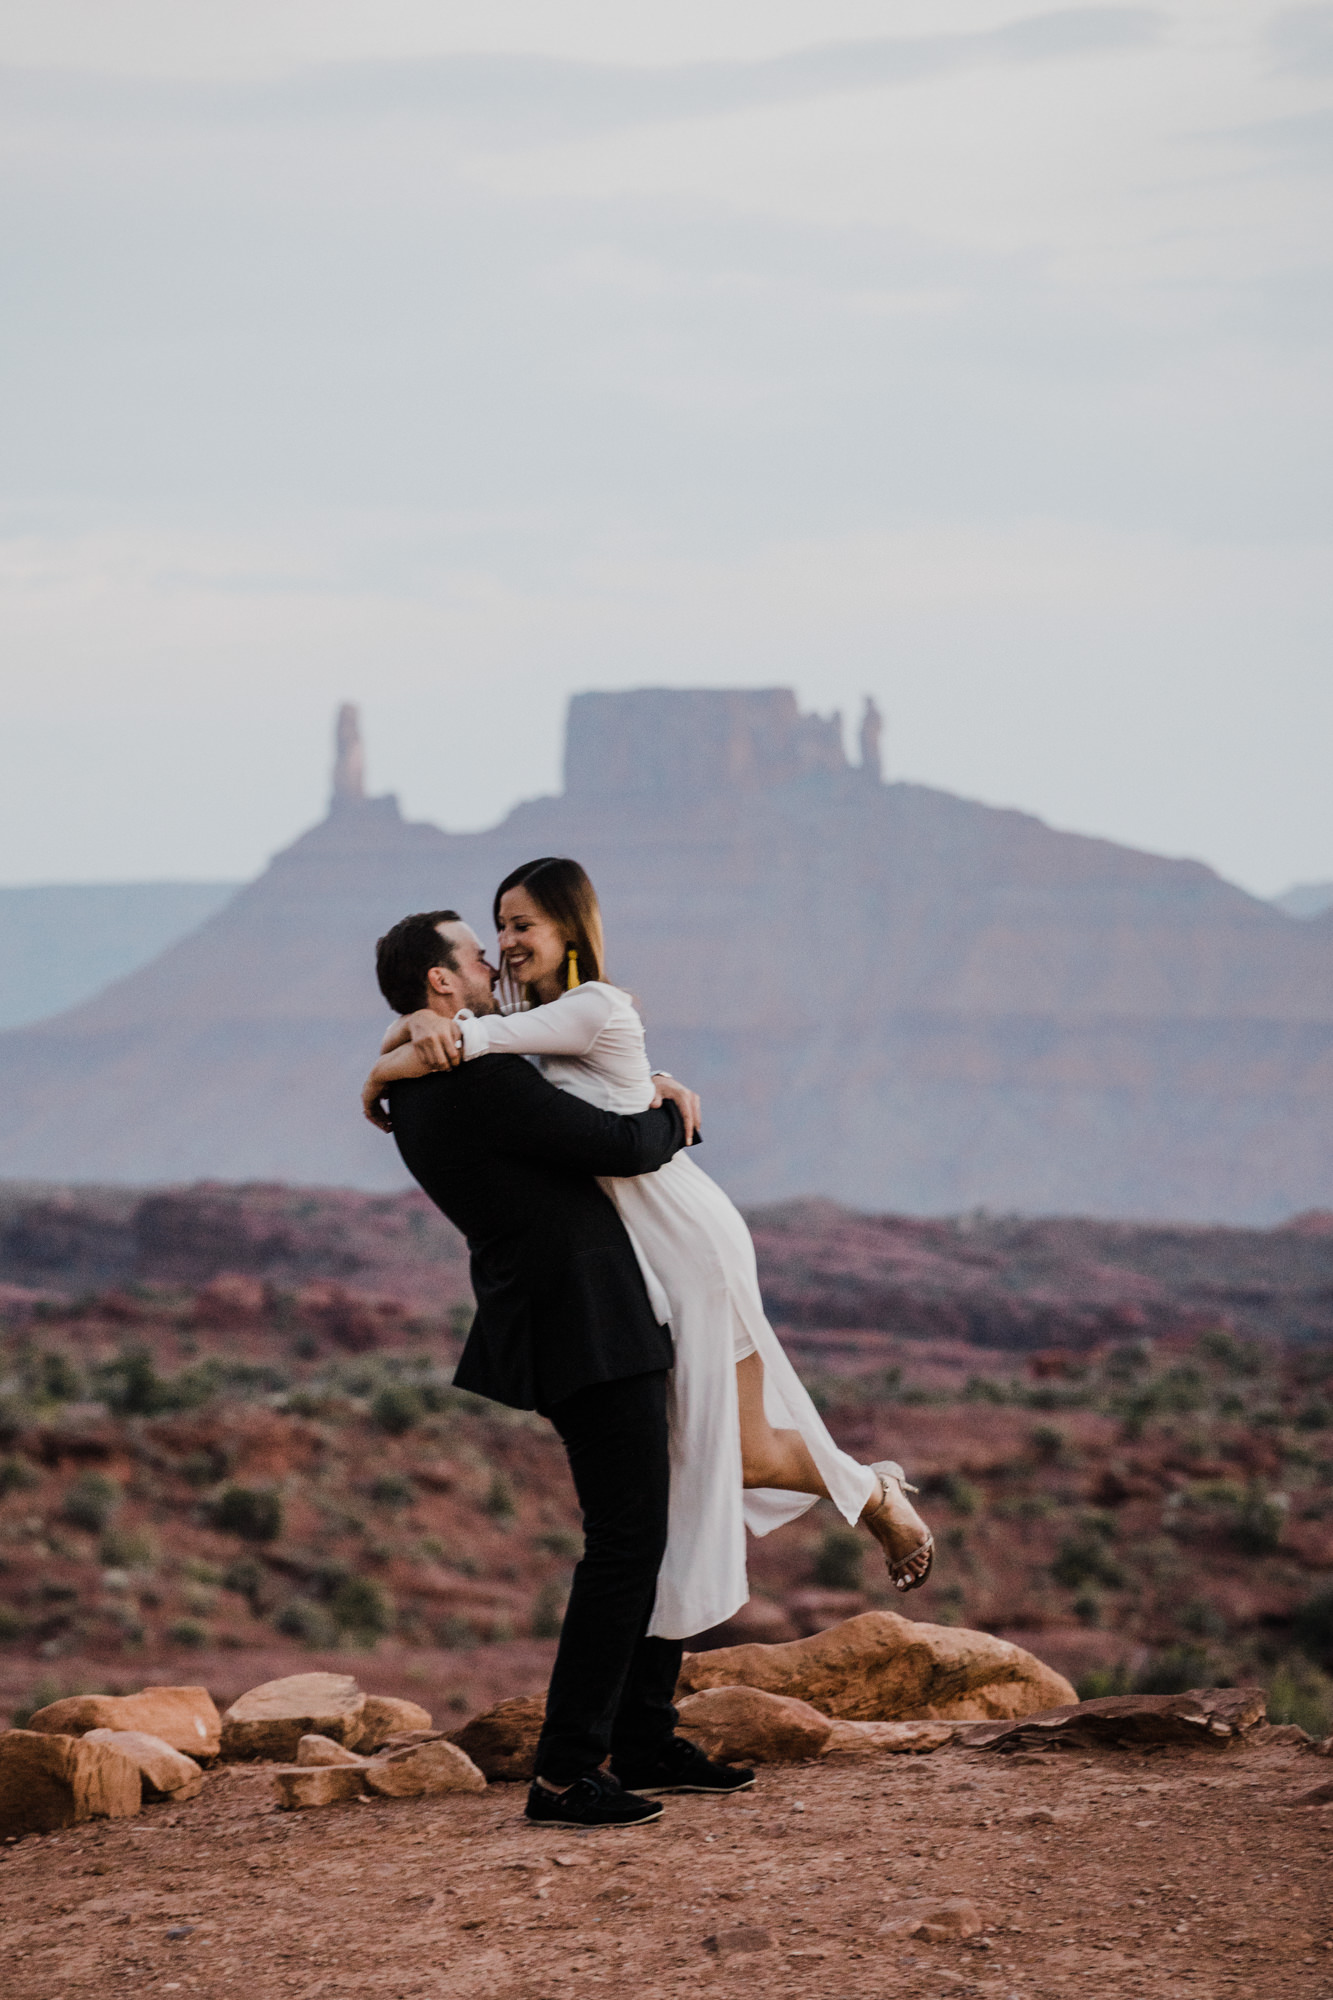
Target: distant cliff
889, 995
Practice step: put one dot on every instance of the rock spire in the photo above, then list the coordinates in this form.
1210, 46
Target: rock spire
349, 763
872, 729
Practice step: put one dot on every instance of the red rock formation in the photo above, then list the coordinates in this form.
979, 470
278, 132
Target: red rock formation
888, 994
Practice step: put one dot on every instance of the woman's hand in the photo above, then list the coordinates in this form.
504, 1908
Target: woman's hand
685, 1100
435, 1038
373, 1105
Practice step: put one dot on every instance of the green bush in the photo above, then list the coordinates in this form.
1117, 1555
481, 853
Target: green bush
392, 1489
188, 1632
1178, 1669
1083, 1559
91, 1501
499, 1502
548, 1611
57, 1380
1299, 1693
566, 1542
17, 1476
252, 1512
396, 1407
839, 1557
1312, 1627
360, 1606
127, 1548
312, 1623
12, 1624
1099, 1682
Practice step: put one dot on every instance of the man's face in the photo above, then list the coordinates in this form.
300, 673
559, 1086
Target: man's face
474, 982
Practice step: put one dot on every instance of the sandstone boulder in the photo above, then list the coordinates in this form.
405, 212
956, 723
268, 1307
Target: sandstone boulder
852, 1740
301, 1785
270, 1720
502, 1741
383, 1717
937, 1921
423, 1771
48, 1781
164, 1773
186, 1718
1205, 1718
741, 1725
881, 1667
322, 1750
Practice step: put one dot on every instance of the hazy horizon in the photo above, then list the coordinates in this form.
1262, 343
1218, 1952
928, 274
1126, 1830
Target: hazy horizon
454, 359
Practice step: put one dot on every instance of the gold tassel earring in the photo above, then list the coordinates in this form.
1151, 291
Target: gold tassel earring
571, 969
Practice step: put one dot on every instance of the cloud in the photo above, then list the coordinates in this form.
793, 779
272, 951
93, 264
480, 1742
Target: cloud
525, 98
1301, 39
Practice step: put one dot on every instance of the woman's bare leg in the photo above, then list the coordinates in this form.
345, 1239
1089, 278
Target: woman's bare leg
781, 1459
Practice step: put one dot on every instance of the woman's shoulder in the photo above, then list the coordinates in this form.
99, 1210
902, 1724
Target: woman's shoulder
621, 1001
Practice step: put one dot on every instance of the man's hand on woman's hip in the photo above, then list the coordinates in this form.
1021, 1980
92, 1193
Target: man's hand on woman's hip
685, 1100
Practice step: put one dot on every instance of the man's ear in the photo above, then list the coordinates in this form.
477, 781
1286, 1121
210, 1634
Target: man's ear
438, 980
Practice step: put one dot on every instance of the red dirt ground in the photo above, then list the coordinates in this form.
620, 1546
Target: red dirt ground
1183, 1873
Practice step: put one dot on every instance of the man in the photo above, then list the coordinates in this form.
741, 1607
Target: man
564, 1326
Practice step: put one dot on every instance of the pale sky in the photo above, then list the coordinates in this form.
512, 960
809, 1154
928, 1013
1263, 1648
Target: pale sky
452, 358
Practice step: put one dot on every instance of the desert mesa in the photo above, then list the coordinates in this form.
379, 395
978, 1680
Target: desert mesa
888, 995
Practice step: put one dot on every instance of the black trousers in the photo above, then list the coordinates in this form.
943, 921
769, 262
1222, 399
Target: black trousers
611, 1687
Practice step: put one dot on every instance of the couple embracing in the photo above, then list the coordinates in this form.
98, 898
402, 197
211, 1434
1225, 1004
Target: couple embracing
616, 1294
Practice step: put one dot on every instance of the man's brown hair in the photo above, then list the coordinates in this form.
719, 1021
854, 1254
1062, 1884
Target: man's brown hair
405, 954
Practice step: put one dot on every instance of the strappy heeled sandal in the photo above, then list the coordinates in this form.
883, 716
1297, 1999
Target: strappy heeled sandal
903, 1574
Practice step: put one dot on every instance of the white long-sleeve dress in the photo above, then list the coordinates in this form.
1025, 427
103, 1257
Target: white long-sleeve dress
699, 1265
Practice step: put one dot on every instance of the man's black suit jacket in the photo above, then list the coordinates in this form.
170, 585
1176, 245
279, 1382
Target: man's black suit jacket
561, 1301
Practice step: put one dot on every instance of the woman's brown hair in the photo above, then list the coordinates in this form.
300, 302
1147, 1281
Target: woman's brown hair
561, 890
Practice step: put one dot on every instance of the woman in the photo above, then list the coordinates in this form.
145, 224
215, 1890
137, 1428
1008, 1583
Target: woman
748, 1447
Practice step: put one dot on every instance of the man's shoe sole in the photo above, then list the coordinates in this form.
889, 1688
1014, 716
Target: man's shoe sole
712, 1791
596, 1825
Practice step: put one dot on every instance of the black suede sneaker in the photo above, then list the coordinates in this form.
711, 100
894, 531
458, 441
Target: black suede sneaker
596, 1799
682, 1767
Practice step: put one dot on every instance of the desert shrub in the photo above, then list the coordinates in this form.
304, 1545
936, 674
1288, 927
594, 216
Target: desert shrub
247, 1578
1299, 1693
188, 1632
1099, 1682
392, 1489
396, 1407
960, 1494
41, 1694
131, 1385
1317, 1415
548, 1610
499, 1502
567, 1542
312, 1623
1087, 1608
13, 1417
838, 1558
1312, 1627
983, 1389
1178, 1669
1237, 1357
127, 1548
360, 1606
1250, 1518
91, 1501
1048, 1444
17, 1476
56, 1379
252, 1512
460, 1319
1203, 1620
1084, 1558
12, 1624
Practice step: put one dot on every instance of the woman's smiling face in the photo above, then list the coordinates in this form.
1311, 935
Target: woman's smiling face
531, 943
